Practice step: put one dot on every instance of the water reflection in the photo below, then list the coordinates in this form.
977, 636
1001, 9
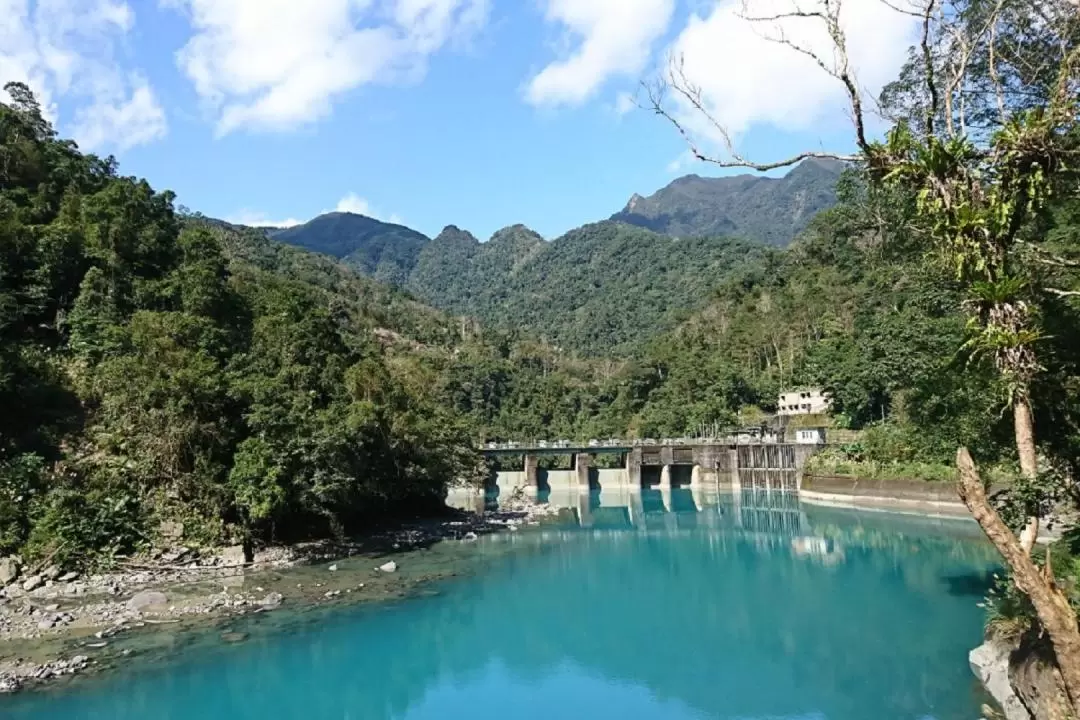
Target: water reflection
647, 605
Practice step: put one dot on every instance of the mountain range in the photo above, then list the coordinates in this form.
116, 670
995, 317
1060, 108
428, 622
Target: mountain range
601, 289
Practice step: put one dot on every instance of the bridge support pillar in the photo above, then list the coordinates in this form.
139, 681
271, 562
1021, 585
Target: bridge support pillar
584, 510
532, 478
633, 468
665, 477
582, 463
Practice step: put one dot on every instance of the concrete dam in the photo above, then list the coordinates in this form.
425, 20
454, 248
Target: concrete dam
716, 464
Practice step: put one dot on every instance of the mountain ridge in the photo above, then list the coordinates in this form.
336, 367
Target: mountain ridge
765, 209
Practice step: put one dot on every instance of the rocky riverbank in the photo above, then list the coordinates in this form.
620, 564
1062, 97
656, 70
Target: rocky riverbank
55, 624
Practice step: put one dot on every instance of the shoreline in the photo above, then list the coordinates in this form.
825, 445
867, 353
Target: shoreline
73, 625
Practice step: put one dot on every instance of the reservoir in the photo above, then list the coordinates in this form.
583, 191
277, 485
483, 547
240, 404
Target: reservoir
669, 607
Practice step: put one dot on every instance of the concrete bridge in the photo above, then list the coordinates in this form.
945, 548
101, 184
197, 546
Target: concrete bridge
715, 463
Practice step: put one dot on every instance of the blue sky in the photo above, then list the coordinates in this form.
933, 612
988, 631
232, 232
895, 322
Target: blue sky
478, 113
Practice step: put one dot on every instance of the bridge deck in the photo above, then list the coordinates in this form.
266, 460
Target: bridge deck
621, 447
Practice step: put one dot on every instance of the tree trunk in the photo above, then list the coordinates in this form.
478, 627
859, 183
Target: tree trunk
1055, 614
1024, 429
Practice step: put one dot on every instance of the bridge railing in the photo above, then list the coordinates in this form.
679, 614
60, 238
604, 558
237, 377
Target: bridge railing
571, 445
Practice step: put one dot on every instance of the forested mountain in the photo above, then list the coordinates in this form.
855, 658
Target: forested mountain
385, 251
768, 210
601, 290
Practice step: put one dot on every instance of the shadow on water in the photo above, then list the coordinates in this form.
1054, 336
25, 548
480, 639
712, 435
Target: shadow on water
976, 584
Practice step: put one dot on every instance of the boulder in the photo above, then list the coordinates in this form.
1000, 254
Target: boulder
171, 531
271, 601
9, 570
52, 572
990, 663
332, 568
1034, 676
32, 582
389, 567
69, 576
233, 555
145, 599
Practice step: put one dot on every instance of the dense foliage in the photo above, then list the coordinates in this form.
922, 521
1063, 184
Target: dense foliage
156, 368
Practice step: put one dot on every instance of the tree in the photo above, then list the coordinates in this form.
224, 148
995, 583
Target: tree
983, 136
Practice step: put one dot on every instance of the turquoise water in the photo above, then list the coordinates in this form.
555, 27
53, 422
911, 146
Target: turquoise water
718, 611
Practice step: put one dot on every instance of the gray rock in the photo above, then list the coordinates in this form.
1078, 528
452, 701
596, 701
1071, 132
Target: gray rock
990, 663
146, 599
332, 568
52, 572
233, 555
46, 624
271, 601
389, 567
32, 582
68, 576
9, 570
79, 660
171, 531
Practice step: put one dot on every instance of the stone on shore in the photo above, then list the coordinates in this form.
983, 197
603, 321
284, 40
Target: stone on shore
332, 568
33, 582
990, 663
389, 567
233, 555
9, 570
271, 601
145, 599
171, 531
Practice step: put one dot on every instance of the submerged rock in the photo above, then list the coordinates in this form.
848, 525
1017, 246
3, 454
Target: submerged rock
271, 601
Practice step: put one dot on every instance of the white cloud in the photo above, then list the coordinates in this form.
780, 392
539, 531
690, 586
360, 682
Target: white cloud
615, 38
278, 64
253, 218
350, 203
123, 124
748, 80
353, 203
65, 51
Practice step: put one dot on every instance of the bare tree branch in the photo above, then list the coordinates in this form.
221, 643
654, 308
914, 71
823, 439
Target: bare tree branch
678, 82
928, 67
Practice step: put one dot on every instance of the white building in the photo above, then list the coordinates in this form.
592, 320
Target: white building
810, 436
803, 402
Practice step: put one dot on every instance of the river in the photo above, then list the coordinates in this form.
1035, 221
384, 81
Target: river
764, 608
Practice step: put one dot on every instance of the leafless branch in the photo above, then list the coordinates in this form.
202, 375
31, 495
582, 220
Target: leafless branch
690, 93
928, 65
840, 69
1063, 293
